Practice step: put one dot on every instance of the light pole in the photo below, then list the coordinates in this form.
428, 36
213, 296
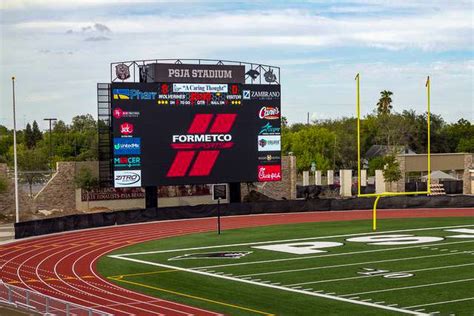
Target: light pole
15, 161
50, 142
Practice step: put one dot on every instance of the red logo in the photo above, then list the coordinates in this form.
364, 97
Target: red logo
269, 113
126, 128
201, 136
269, 173
117, 113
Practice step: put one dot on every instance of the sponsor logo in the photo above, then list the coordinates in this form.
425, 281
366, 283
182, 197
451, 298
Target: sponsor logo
268, 129
127, 162
269, 143
269, 173
261, 95
252, 73
127, 178
126, 128
198, 150
269, 113
127, 146
199, 87
122, 71
118, 113
270, 76
246, 94
269, 158
213, 255
133, 94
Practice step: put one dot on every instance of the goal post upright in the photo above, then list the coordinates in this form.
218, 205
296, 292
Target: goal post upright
379, 195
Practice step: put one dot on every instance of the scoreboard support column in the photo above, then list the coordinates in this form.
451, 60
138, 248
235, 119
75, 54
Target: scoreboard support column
151, 197
234, 192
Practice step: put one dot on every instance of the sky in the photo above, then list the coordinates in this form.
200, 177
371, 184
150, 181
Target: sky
59, 50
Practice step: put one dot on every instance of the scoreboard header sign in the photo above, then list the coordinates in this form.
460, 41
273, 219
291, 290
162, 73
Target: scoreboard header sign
182, 73
195, 133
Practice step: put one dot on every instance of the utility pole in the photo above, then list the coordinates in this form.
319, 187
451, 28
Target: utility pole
50, 140
15, 161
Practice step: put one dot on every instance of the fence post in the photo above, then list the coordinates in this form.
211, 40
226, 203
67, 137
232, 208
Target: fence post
67, 309
27, 299
9, 294
90, 312
47, 305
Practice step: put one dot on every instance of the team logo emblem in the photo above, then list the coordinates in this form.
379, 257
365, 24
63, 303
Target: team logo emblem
126, 128
214, 255
122, 71
270, 76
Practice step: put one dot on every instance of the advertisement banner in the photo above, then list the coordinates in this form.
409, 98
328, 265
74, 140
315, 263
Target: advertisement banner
127, 178
199, 73
269, 143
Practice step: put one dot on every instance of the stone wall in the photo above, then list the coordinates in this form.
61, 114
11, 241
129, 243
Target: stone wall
286, 188
466, 177
59, 192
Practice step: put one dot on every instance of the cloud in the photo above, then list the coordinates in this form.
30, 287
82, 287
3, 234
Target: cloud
101, 27
97, 39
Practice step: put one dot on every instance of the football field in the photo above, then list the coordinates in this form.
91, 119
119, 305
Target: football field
409, 266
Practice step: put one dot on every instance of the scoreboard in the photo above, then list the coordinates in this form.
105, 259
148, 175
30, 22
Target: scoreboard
171, 133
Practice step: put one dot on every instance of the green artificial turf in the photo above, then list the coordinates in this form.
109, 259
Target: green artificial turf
449, 262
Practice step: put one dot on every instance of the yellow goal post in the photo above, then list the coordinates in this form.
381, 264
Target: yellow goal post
379, 195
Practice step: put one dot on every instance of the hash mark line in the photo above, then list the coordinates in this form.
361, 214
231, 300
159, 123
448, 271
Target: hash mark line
288, 240
317, 256
346, 265
438, 303
409, 287
371, 276
277, 287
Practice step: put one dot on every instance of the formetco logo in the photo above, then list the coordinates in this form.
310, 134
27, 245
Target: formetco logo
128, 178
199, 148
269, 113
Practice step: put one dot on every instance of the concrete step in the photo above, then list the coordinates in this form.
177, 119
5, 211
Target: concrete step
7, 232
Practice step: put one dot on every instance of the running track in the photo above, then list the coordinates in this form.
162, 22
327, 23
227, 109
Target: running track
64, 265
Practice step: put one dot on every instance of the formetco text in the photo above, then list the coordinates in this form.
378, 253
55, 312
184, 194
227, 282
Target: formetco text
203, 138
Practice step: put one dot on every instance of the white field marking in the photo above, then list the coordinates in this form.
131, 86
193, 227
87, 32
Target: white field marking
409, 287
288, 240
318, 256
278, 287
382, 274
445, 302
349, 264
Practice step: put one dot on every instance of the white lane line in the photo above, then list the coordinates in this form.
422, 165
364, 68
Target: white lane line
277, 287
409, 287
445, 302
318, 256
371, 276
347, 265
288, 240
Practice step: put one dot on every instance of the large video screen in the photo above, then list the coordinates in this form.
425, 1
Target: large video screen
195, 133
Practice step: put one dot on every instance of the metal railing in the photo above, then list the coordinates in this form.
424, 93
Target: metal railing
20, 298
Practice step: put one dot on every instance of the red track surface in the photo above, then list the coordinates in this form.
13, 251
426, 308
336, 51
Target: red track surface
64, 265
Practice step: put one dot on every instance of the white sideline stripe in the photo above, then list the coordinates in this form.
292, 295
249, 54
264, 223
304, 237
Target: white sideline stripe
272, 286
371, 276
445, 302
348, 264
322, 256
288, 240
409, 287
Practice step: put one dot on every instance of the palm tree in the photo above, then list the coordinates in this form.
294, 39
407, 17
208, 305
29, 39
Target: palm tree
385, 102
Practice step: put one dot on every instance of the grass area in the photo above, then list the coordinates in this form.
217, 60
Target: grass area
352, 276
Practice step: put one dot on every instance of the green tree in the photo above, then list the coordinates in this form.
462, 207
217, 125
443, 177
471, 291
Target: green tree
29, 141
391, 171
384, 105
312, 143
86, 181
37, 135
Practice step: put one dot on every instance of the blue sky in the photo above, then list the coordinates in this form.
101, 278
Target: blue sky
59, 50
